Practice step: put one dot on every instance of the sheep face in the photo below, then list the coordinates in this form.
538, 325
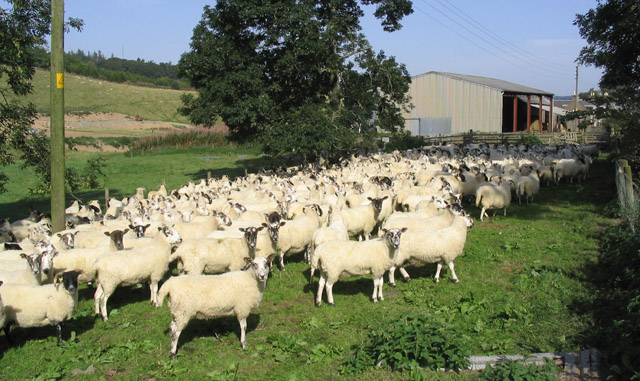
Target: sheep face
34, 262
139, 229
224, 218
393, 236
173, 237
457, 210
377, 202
261, 266
251, 235
69, 281
117, 237
68, 240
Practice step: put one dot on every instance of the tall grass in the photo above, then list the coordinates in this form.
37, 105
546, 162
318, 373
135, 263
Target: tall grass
198, 137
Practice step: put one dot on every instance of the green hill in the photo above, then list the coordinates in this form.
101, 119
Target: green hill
88, 95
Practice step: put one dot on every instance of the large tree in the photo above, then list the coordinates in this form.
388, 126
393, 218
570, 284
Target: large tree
298, 74
612, 32
23, 29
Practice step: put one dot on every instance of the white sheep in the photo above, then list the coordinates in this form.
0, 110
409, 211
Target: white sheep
335, 259
38, 306
126, 268
492, 196
210, 296
337, 230
439, 246
363, 219
216, 255
528, 186
294, 236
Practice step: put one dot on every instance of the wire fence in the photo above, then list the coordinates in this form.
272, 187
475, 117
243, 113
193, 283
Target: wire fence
628, 194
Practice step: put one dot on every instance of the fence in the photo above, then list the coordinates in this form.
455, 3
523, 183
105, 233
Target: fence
627, 194
591, 137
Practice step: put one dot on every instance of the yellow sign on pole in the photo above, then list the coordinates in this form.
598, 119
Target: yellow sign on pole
60, 80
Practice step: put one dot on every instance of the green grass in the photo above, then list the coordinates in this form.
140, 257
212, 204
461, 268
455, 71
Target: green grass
524, 287
88, 95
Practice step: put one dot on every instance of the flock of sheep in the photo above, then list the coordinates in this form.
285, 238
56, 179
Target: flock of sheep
223, 235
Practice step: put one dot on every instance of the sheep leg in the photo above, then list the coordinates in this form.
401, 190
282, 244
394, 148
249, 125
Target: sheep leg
321, 284
505, 211
153, 286
453, 272
312, 270
329, 288
7, 333
175, 335
243, 328
281, 260
405, 274
96, 298
103, 305
59, 333
438, 269
392, 276
377, 290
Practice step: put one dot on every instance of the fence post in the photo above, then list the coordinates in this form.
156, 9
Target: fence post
106, 199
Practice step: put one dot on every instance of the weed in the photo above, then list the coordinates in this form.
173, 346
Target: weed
516, 370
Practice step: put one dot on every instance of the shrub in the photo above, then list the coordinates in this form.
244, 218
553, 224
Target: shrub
516, 370
530, 140
403, 141
411, 342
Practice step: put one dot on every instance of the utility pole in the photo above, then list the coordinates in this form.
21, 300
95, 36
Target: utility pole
577, 96
56, 93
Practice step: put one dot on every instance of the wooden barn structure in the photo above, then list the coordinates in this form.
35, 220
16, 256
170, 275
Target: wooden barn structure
447, 104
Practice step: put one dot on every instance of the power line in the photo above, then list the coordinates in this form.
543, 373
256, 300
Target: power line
546, 72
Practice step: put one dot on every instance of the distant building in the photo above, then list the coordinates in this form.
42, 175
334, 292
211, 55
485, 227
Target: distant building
448, 103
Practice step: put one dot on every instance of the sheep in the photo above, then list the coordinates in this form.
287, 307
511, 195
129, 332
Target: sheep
337, 259
210, 296
121, 268
528, 186
429, 246
294, 236
362, 220
30, 276
492, 196
38, 306
216, 255
83, 260
571, 168
337, 230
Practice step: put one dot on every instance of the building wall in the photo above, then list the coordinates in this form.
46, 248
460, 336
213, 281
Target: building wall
447, 105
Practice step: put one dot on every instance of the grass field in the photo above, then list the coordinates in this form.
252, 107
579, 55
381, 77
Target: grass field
524, 288
88, 95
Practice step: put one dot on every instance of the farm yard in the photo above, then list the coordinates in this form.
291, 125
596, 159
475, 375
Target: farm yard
525, 286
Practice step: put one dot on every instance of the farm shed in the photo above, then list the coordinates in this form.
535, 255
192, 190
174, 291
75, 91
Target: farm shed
447, 103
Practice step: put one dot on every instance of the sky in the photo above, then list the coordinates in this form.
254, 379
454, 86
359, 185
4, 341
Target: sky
531, 43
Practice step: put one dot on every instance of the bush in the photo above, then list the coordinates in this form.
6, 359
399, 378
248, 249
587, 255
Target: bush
411, 342
403, 141
530, 140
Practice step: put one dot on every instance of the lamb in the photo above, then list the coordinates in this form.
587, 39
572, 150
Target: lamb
26, 276
430, 246
38, 306
210, 296
362, 220
216, 255
121, 268
351, 258
492, 196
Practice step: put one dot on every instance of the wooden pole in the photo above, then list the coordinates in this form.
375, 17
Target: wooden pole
56, 91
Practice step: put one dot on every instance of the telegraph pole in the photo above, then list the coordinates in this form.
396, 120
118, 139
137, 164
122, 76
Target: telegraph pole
56, 89
577, 97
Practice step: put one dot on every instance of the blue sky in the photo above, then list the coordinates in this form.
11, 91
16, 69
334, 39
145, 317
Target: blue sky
532, 43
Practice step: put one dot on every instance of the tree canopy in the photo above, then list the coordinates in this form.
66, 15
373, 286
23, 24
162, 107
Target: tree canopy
23, 29
612, 32
298, 75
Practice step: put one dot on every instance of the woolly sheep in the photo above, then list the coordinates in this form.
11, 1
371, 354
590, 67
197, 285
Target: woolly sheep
294, 236
125, 268
528, 186
336, 259
210, 296
431, 246
362, 220
337, 230
492, 196
38, 306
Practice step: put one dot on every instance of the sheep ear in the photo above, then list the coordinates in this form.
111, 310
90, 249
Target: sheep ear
259, 228
282, 223
248, 260
404, 230
125, 231
369, 198
107, 234
264, 224
242, 229
23, 255
131, 226
59, 235
270, 258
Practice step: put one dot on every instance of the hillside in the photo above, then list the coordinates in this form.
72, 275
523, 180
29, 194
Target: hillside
86, 95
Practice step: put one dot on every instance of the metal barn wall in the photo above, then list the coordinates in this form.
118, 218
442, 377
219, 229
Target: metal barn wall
444, 105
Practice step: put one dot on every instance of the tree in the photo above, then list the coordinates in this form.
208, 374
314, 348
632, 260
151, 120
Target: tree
612, 32
298, 75
23, 29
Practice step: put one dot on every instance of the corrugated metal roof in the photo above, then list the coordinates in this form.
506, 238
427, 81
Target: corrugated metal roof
498, 84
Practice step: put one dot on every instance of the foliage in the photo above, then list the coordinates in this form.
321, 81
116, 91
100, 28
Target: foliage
75, 180
530, 139
612, 30
194, 137
517, 371
23, 29
618, 292
297, 74
411, 342
403, 141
